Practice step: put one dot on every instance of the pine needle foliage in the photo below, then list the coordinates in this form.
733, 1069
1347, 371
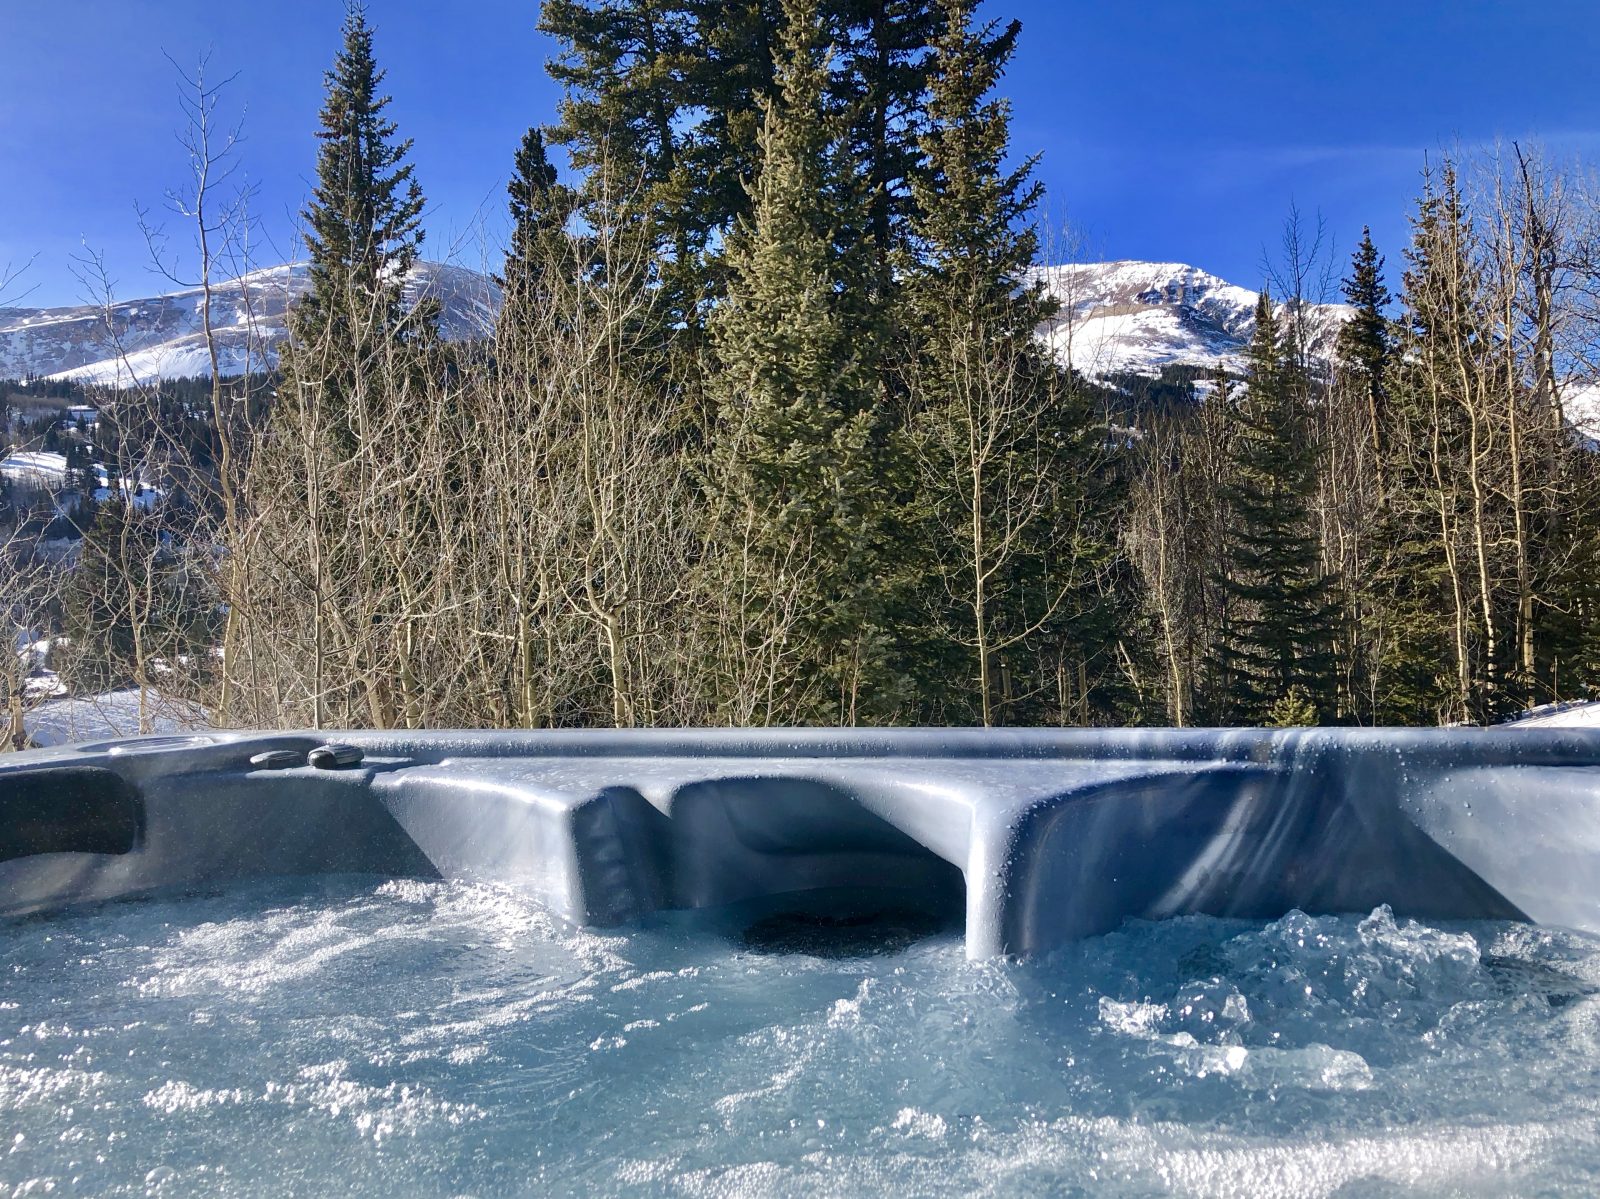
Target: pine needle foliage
364, 221
1277, 641
793, 477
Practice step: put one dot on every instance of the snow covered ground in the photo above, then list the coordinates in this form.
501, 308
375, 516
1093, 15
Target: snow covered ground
1574, 714
44, 471
38, 469
113, 714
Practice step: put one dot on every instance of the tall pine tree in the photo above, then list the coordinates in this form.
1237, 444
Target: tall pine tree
540, 208
1007, 497
359, 398
882, 92
365, 216
1274, 660
1364, 343
634, 73
1433, 666
664, 102
794, 482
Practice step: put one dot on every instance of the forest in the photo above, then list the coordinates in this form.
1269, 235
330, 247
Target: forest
765, 433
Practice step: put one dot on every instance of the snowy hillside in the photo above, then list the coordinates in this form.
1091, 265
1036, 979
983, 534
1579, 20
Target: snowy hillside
113, 714
40, 470
1577, 714
1126, 317
1582, 405
162, 337
1139, 317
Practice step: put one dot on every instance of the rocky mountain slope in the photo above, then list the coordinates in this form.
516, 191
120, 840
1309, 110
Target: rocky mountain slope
1116, 318
1140, 317
161, 337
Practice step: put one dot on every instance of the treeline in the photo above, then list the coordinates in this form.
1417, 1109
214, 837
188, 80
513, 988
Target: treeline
1409, 535
764, 433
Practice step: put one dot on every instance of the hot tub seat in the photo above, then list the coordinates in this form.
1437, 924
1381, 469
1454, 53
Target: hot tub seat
68, 809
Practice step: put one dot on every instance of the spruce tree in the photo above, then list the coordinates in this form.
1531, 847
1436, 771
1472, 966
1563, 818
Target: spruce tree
1010, 502
631, 72
357, 369
973, 225
792, 479
664, 103
1275, 654
364, 226
1364, 344
882, 90
540, 208
1430, 670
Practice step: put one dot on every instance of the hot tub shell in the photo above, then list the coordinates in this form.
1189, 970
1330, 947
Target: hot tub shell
1049, 835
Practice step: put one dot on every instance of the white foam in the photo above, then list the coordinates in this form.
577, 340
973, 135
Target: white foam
376, 1039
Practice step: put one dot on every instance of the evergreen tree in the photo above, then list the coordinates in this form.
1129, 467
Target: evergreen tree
634, 74
364, 227
1431, 668
793, 478
359, 401
540, 208
972, 226
664, 101
1010, 504
1274, 657
1364, 344
882, 89
1357, 425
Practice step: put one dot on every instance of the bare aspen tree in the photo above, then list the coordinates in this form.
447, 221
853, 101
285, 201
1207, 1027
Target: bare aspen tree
29, 586
592, 484
1156, 536
138, 598
216, 214
988, 461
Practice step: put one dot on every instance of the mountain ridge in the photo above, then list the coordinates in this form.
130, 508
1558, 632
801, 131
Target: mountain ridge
1135, 317
1127, 316
161, 337
1117, 318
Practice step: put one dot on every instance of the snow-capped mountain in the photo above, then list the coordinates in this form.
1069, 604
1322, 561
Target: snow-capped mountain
1116, 318
162, 337
1140, 317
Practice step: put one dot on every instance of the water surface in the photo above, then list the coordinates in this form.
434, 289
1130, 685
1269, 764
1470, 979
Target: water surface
434, 1039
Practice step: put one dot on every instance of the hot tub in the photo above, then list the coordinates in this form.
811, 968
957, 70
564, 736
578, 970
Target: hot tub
1127, 963
1041, 837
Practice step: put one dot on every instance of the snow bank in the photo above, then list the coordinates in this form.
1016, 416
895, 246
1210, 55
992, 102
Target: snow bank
1575, 714
112, 714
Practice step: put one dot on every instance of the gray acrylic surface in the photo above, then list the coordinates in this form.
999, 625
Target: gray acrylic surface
1042, 837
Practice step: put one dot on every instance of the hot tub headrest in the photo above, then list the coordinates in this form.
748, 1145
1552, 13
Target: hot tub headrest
68, 809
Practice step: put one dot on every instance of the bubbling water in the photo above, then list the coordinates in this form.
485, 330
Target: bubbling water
444, 1039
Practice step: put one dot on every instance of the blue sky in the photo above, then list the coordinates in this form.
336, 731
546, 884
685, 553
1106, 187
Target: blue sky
1169, 129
